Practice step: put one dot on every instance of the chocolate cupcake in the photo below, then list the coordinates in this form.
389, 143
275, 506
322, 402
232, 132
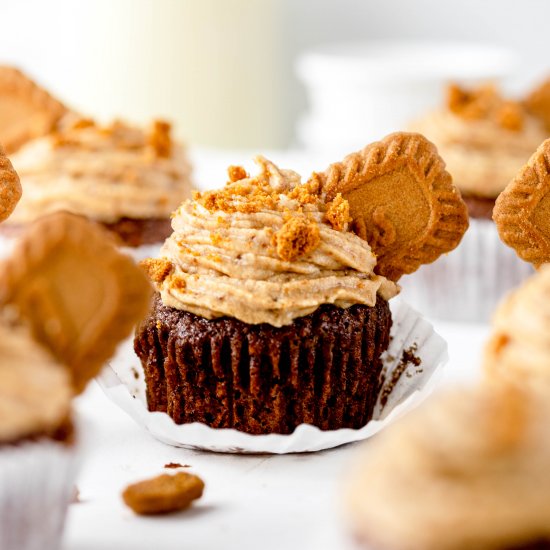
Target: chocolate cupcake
270, 311
129, 179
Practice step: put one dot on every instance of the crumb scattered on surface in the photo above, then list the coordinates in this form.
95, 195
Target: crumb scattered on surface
163, 494
135, 373
297, 237
171, 465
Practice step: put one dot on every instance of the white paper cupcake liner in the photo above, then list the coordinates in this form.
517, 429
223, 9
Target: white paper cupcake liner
124, 384
36, 486
468, 283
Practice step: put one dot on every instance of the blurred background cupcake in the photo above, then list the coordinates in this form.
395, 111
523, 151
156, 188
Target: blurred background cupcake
485, 139
129, 179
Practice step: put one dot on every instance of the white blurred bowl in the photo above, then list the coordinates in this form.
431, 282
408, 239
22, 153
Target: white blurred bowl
358, 92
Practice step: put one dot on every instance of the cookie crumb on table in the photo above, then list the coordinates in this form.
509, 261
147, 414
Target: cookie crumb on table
163, 494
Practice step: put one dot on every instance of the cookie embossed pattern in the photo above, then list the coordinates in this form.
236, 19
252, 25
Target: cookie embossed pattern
270, 331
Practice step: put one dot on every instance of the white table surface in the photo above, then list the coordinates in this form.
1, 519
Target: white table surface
250, 502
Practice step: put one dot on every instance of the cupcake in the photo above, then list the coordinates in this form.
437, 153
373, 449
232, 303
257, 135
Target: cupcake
272, 295
128, 179
64, 307
467, 469
485, 140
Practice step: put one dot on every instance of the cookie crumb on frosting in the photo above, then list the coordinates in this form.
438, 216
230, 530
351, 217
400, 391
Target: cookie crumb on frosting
337, 213
297, 237
157, 268
485, 102
160, 139
236, 173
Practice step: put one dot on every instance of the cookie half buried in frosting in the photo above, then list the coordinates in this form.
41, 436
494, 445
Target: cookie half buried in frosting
128, 179
270, 312
468, 469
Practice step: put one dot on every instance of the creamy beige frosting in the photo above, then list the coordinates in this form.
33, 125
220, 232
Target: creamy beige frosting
480, 154
466, 470
35, 391
232, 253
519, 349
104, 173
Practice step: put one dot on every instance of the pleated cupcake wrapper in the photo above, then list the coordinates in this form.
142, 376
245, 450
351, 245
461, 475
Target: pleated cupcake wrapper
36, 486
410, 332
468, 283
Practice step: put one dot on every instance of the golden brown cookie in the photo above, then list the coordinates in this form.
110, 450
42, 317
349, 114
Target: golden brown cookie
522, 210
80, 295
538, 102
402, 201
163, 494
10, 187
26, 110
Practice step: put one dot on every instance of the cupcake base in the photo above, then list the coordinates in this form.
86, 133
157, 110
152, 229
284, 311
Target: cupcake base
132, 232
323, 369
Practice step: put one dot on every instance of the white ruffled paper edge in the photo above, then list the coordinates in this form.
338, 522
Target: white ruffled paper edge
467, 283
37, 483
125, 387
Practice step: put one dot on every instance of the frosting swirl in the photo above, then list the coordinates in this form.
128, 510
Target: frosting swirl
519, 349
475, 459
265, 250
104, 173
35, 391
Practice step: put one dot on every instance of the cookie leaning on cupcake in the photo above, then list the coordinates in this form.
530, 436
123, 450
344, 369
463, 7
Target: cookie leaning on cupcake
67, 297
129, 179
469, 469
270, 311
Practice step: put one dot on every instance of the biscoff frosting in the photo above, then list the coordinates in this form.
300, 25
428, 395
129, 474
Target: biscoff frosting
519, 349
35, 390
266, 249
468, 469
483, 138
104, 173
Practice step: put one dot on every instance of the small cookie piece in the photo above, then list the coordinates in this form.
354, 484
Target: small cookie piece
522, 210
163, 494
10, 186
538, 102
402, 201
78, 293
26, 110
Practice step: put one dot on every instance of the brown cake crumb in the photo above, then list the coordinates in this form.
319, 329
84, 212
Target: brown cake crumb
236, 173
163, 494
297, 237
157, 268
174, 465
337, 213
177, 283
408, 357
160, 139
